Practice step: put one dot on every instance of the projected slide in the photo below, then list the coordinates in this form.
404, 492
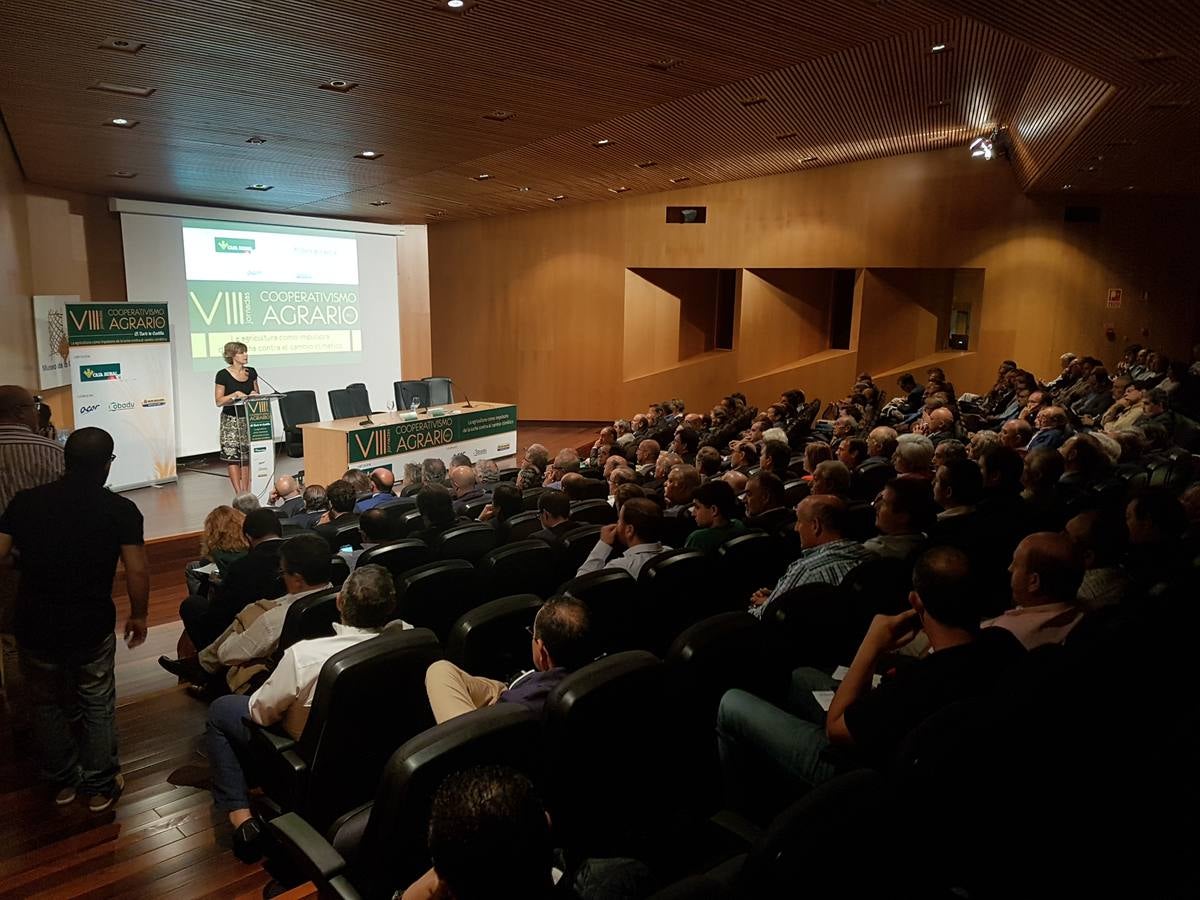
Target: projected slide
291, 295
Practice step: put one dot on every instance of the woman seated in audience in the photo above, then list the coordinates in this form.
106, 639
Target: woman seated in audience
814, 454
506, 503
221, 544
412, 480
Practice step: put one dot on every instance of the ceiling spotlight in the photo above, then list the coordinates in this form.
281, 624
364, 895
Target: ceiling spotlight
123, 173
259, 187
338, 85
482, 176
121, 45
1066, 187
368, 154
937, 48
681, 179
619, 190
255, 139
557, 197
455, 4
121, 122
648, 164
983, 148
807, 159
522, 190
381, 202
603, 142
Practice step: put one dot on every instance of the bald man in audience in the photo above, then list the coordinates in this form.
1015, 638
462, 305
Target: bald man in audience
286, 493
941, 426
465, 488
827, 555
1047, 570
1051, 423
383, 484
1016, 434
736, 480
647, 456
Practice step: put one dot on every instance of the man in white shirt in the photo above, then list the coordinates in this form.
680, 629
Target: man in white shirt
639, 525
304, 563
366, 603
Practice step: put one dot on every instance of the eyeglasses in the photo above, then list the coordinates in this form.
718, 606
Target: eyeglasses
111, 457
529, 628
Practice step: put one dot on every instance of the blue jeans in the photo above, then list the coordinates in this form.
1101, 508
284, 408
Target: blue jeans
75, 690
771, 756
227, 737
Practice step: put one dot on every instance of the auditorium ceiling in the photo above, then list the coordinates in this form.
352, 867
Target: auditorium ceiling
505, 105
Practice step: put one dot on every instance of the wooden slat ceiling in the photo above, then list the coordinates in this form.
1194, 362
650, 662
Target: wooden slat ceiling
1098, 95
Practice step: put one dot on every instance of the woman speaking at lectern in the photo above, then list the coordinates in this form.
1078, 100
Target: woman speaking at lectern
237, 381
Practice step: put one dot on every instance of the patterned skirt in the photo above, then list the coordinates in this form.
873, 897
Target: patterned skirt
235, 441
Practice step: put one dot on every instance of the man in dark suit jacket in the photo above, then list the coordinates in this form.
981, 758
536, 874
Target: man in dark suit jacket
871, 474
341, 512
288, 496
554, 510
315, 505
253, 577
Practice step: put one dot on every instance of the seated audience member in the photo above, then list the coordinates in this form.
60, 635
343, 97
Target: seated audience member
489, 836
374, 529
957, 488
1051, 424
655, 485
980, 441
606, 439
765, 506
566, 461
382, 484
537, 456
254, 577
613, 463
815, 453
487, 473
1046, 573
365, 604
1156, 370
246, 503
941, 426
852, 452
412, 480
947, 450
316, 504
619, 476
913, 456
826, 555
775, 458
708, 462
1156, 521
872, 473
460, 459
506, 503
1001, 392
904, 511
1099, 539
1096, 399
686, 443
647, 456
715, 508
638, 527
1069, 374
1001, 469
433, 471
844, 427
743, 456
1037, 401
914, 393
1044, 506
360, 481
222, 543
735, 480
1016, 404
682, 483
437, 510
1016, 434
576, 486
528, 477
341, 512
1157, 404
561, 644
775, 435
626, 492
465, 488
286, 497
767, 751
832, 478
1085, 464
253, 636
554, 513
1125, 413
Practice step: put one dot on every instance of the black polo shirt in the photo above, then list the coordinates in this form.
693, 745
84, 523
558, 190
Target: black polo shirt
69, 535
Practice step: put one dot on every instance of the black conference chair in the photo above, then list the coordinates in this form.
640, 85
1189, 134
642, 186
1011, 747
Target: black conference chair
678, 589
348, 535
346, 404
577, 544
394, 511
509, 473
612, 599
296, 409
593, 512
469, 542
520, 567
529, 497
339, 571
434, 595
309, 617
407, 391
492, 640
795, 490
398, 557
381, 845
522, 525
441, 390
807, 626
748, 562
369, 699
472, 508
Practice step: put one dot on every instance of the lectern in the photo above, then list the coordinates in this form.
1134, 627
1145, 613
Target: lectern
255, 410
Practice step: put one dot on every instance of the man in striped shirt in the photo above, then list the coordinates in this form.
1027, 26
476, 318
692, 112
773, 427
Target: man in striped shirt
26, 459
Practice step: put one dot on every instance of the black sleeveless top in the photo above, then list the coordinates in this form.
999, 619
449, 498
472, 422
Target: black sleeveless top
231, 384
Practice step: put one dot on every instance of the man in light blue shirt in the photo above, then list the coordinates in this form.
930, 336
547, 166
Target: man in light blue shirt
639, 526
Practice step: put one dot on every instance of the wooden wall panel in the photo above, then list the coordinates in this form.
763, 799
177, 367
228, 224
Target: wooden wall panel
1043, 289
785, 317
412, 265
17, 355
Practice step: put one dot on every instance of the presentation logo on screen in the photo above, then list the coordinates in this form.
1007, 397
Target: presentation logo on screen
100, 372
233, 245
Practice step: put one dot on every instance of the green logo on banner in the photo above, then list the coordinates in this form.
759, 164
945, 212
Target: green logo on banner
258, 415
116, 323
233, 245
100, 372
424, 434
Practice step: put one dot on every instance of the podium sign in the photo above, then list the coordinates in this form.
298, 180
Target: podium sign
261, 429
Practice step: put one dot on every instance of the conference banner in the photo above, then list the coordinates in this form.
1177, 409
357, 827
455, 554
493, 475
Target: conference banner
50, 336
260, 427
120, 366
481, 434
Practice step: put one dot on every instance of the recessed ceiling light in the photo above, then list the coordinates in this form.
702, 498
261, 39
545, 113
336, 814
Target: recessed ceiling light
121, 45
649, 164
255, 139
122, 122
498, 115
482, 176
123, 173
666, 63
454, 4
522, 190
619, 190
127, 90
381, 202
1129, 187
557, 197
681, 179
1066, 187
603, 142
937, 48
756, 100
808, 159
455, 7
259, 187
436, 213
338, 85
368, 154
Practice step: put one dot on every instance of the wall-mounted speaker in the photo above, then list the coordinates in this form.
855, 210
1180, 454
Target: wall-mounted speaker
687, 215
958, 342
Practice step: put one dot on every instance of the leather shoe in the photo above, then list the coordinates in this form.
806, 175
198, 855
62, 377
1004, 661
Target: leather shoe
186, 669
248, 840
